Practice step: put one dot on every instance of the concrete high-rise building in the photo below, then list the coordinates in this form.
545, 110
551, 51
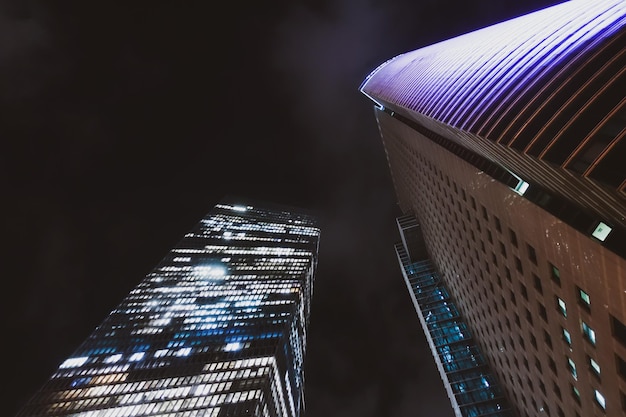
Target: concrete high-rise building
217, 328
507, 149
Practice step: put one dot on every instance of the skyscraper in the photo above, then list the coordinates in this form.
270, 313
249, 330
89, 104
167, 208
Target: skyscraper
217, 328
506, 147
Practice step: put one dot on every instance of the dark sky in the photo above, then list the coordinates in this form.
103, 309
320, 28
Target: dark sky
123, 123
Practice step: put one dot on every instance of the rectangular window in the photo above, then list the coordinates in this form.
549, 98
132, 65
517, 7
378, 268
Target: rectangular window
566, 336
532, 255
556, 389
619, 330
576, 394
513, 237
547, 338
524, 291
621, 366
594, 366
583, 297
555, 274
552, 366
529, 317
600, 399
538, 285
542, 312
560, 304
589, 333
572, 368
498, 225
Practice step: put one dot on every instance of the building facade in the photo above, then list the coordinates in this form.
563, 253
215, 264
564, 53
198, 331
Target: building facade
217, 328
507, 145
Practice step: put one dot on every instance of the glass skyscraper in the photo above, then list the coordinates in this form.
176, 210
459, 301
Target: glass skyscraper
218, 328
506, 147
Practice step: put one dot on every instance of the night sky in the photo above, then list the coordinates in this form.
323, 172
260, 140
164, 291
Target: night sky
123, 123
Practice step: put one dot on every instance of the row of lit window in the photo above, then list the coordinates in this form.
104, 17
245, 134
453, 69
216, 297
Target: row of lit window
174, 404
165, 388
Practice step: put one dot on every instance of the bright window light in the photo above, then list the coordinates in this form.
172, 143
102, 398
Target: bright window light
113, 358
594, 365
584, 297
74, 362
521, 188
600, 399
232, 347
602, 231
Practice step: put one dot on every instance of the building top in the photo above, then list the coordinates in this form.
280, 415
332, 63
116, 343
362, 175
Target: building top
549, 84
538, 99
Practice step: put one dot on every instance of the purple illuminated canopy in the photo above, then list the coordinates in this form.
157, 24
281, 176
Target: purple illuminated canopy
463, 80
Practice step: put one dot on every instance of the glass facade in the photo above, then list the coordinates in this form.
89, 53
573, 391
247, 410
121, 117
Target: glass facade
473, 389
217, 328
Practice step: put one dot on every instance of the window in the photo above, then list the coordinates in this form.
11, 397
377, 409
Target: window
542, 312
529, 317
572, 367
552, 366
619, 330
621, 367
498, 225
566, 336
518, 265
599, 399
532, 255
594, 366
547, 338
583, 297
589, 333
601, 231
513, 237
560, 304
556, 389
576, 394
555, 274
538, 285
524, 291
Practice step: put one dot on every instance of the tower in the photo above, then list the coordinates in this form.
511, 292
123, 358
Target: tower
506, 148
217, 328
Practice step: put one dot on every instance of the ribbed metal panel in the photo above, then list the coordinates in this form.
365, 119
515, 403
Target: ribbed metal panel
458, 80
549, 84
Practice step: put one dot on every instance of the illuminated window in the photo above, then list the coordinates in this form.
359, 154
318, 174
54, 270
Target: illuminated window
589, 333
594, 366
555, 274
576, 394
567, 337
561, 306
601, 231
584, 298
600, 399
572, 367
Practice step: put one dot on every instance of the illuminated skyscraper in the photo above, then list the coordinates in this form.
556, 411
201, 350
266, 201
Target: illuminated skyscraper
507, 149
218, 328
